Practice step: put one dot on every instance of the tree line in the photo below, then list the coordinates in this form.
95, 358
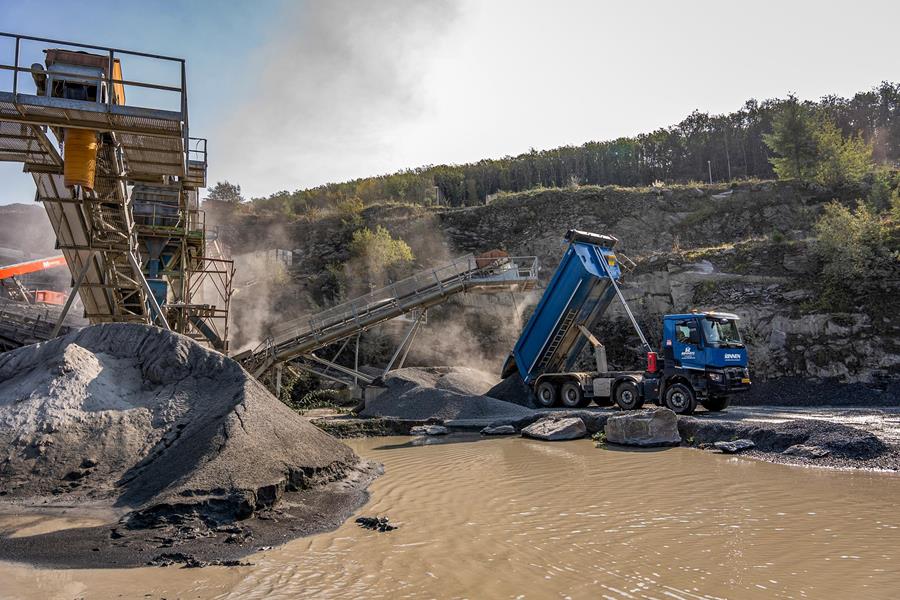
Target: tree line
701, 147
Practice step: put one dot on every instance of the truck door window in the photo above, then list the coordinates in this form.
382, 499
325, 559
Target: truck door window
686, 332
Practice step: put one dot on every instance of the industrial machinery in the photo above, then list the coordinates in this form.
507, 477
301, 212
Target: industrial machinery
703, 358
14, 288
119, 181
298, 342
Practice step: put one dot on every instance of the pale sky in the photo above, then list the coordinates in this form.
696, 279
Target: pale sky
296, 94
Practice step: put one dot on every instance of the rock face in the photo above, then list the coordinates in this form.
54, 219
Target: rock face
649, 427
735, 446
151, 422
556, 429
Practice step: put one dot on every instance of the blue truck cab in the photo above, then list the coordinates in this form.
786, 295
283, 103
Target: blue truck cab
704, 360
704, 354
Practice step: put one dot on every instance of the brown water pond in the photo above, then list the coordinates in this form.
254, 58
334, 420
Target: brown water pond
515, 518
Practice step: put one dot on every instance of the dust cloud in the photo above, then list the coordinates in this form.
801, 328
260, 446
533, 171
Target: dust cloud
336, 78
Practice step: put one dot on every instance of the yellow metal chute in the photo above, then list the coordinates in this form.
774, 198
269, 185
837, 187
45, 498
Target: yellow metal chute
80, 158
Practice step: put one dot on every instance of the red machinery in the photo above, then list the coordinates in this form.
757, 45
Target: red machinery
10, 272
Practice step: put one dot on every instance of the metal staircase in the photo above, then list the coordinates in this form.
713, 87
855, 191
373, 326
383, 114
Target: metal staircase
302, 337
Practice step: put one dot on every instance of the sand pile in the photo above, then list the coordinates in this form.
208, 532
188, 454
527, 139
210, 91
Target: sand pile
448, 393
152, 423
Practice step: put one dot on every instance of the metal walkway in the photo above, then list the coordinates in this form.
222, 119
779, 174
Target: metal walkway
301, 338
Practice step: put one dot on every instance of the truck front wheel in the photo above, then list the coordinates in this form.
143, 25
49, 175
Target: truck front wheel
627, 396
680, 399
546, 394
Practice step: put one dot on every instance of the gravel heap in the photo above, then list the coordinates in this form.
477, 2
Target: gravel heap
420, 394
513, 389
151, 423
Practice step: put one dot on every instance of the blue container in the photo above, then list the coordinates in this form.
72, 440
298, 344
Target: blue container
579, 293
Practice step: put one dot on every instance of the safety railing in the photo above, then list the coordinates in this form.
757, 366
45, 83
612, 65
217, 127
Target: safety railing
111, 54
167, 215
467, 270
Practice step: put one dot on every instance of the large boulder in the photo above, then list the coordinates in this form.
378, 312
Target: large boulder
649, 427
554, 429
733, 447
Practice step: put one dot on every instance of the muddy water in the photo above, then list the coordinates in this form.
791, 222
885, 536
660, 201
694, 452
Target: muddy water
513, 518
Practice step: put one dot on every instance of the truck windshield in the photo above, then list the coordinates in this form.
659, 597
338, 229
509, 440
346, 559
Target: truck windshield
722, 333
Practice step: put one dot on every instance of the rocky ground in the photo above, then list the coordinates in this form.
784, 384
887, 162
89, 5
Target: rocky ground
191, 453
833, 436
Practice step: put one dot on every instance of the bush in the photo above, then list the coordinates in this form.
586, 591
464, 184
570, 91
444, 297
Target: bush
854, 248
379, 249
840, 160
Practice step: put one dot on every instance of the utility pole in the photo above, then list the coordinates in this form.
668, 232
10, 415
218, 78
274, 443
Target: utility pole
709, 165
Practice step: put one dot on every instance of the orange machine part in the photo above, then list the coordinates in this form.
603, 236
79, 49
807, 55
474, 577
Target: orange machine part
49, 297
32, 266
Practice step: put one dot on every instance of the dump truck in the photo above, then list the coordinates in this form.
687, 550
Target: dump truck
702, 358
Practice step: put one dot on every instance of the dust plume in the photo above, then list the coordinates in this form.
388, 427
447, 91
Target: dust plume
336, 78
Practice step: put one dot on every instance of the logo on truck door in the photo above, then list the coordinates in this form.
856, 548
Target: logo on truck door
732, 356
688, 353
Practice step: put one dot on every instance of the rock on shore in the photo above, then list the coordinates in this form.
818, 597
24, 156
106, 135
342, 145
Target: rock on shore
655, 426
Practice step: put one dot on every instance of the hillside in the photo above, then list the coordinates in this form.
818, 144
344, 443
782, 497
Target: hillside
746, 248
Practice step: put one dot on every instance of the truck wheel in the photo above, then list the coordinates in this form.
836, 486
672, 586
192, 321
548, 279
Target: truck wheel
546, 394
680, 399
627, 396
716, 404
571, 395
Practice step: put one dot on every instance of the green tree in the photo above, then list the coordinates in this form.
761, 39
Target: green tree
850, 242
793, 138
224, 191
840, 160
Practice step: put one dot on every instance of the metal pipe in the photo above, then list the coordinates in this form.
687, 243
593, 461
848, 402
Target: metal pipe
634, 322
78, 281
150, 297
406, 339
16, 72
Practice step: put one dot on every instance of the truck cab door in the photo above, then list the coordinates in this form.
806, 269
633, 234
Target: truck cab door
687, 347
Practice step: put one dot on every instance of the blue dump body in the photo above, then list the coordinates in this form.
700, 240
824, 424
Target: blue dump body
579, 293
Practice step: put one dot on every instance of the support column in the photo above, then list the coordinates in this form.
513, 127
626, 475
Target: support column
75, 287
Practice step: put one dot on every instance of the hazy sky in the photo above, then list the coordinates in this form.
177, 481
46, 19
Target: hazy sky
295, 94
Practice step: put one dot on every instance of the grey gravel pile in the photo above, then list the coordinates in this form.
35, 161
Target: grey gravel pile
419, 394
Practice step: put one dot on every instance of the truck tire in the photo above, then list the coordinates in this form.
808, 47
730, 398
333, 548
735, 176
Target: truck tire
627, 396
680, 399
571, 395
716, 404
546, 394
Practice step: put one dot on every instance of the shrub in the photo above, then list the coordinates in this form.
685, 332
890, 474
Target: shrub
379, 249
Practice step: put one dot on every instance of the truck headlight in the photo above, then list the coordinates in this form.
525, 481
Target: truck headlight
715, 376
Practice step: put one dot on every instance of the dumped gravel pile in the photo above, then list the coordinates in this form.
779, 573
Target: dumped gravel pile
419, 394
513, 389
155, 425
